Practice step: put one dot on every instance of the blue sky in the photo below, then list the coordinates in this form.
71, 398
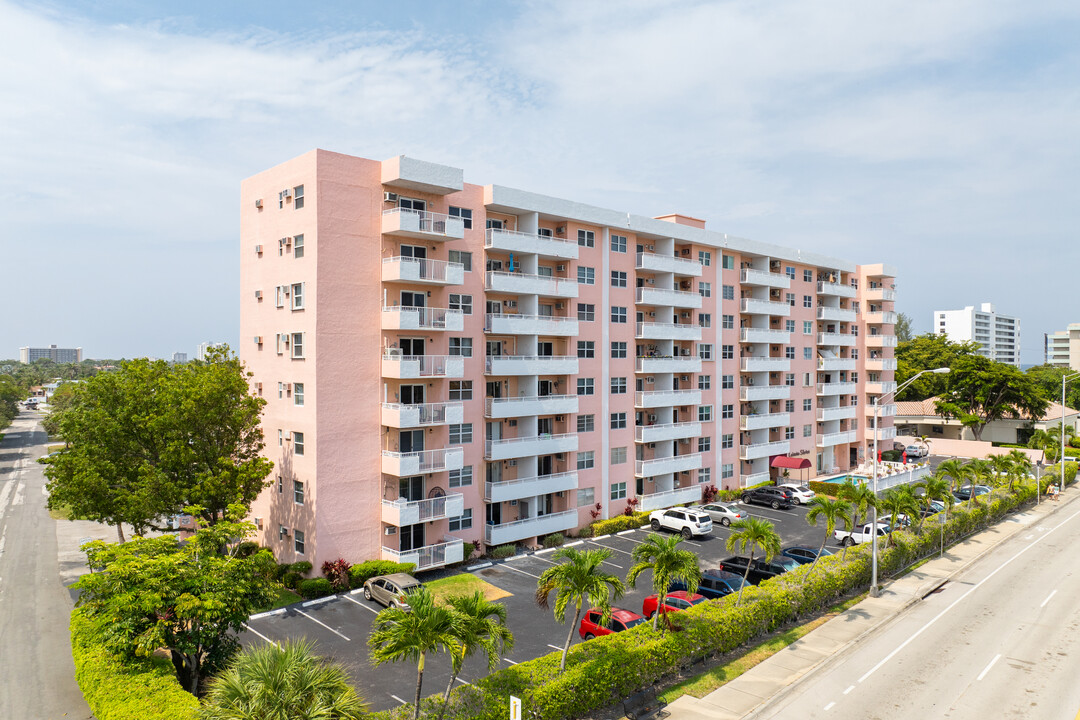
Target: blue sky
939, 137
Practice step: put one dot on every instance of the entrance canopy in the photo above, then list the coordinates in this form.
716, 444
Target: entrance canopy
783, 461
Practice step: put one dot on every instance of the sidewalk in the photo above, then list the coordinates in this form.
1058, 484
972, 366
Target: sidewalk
748, 692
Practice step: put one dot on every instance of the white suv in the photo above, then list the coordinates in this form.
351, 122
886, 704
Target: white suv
686, 521
800, 494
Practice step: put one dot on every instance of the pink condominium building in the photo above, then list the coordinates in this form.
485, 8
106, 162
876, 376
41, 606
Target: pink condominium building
448, 363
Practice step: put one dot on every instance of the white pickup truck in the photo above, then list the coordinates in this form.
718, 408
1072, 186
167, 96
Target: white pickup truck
863, 533
686, 521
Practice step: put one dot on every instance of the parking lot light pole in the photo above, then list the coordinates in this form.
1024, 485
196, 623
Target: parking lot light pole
1061, 458
875, 591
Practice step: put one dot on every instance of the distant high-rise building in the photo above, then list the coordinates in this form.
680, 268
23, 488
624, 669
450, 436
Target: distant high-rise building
200, 354
179, 357
997, 335
28, 355
1062, 348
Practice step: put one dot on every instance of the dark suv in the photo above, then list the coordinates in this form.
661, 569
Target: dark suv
774, 497
760, 570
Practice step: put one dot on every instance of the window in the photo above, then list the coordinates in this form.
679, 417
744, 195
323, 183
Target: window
298, 394
808, 275
584, 386
462, 477
789, 379
808, 404
298, 246
727, 352
704, 475
854, 354
618, 243
460, 256
586, 349
298, 197
279, 296
789, 326
789, 433
854, 377
789, 406
618, 490
298, 346
808, 301
704, 413
789, 353
727, 441
461, 346
298, 492
298, 541
704, 257
280, 484
618, 420
298, 442
704, 382
461, 302
790, 272
729, 262
280, 442
461, 434
704, 444
807, 430
618, 456
618, 386
586, 238
586, 312
727, 470
806, 382
586, 275
586, 423
808, 327
461, 389
808, 353
585, 496
618, 350
728, 292
704, 289
464, 213
585, 460
727, 411
618, 315
461, 522
704, 351
727, 382
618, 278
704, 320
297, 296
790, 297
727, 322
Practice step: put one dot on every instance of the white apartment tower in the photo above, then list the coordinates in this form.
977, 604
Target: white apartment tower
997, 335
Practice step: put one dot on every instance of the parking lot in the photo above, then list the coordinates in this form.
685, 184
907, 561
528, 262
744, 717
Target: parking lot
340, 625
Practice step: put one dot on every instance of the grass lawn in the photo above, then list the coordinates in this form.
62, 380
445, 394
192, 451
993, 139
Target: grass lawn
285, 596
63, 513
464, 584
53, 447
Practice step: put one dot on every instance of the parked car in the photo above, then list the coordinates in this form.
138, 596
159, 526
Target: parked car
863, 533
964, 493
673, 602
592, 624
932, 508
715, 583
687, 521
774, 497
391, 590
760, 570
804, 554
916, 451
723, 513
800, 494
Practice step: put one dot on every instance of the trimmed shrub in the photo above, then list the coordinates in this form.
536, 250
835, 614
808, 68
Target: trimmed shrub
467, 550
554, 540
316, 588
291, 580
362, 572
824, 488
503, 551
337, 572
303, 567
616, 524
116, 689
892, 456
247, 548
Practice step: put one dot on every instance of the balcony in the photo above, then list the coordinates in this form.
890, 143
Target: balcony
885, 433
667, 331
667, 431
428, 556
677, 364
880, 364
764, 364
754, 479
879, 317
668, 263
522, 284
531, 365
764, 278
666, 297
880, 294
837, 413
407, 464
527, 446
669, 498
764, 421
422, 225
401, 512
422, 318
836, 364
516, 407
543, 245
839, 438
529, 487
880, 341
761, 450
501, 324
843, 339
667, 465
751, 306
396, 415
749, 393
509, 532
886, 410
422, 271
764, 335
836, 289
877, 387
836, 388
836, 314
412, 367
666, 398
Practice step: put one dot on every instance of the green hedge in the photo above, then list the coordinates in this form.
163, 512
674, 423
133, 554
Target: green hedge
316, 588
615, 524
824, 488
115, 689
362, 572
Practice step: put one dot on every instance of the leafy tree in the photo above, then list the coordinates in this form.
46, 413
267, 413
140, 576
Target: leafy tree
979, 391
291, 681
479, 624
580, 577
927, 352
896, 502
1021, 466
190, 598
411, 634
11, 392
902, 329
1048, 379
660, 553
756, 534
833, 511
1042, 440
61, 400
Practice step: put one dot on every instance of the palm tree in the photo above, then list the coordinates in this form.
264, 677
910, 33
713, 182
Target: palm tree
411, 634
1003, 468
954, 471
290, 681
937, 488
1021, 466
660, 554
861, 497
832, 510
896, 502
1047, 442
479, 624
981, 472
752, 533
578, 578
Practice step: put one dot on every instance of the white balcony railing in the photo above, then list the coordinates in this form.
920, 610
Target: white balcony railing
887, 317
667, 431
667, 331
666, 398
760, 450
843, 339
429, 556
837, 413
667, 465
669, 498
880, 364
668, 263
836, 314
753, 306
677, 364
531, 365
764, 364
411, 367
422, 270
516, 530
764, 335
407, 464
422, 225
880, 341
875, 387
886, 410
518, 488
749, 276
885, 433
838, 438
502, 324
665, 297
836, 388
399, 317
754, 479
402, 512
836, 363
398, 415
750, 393
524, 243
764, 421
837, 289
525, 406
520, 283
880, 294
519, 447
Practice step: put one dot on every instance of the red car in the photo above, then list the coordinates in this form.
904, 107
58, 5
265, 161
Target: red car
673, 601
591, 625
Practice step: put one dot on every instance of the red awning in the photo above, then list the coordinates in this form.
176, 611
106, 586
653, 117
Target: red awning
783, 461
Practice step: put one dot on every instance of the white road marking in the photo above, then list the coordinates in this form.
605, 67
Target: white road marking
549, 562
463, 682
608, 562
579, 542
320, 622
627, 532
850, 688
1044, 602
554, 647
319, 601
511, 567
399, 700
987, 668
18, 499
510, 661
261, 635
624, 552
830, 705
363, 605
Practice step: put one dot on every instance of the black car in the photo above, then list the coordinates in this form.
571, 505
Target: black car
774, 497
715, 583
964, 493
760, 570
804, 554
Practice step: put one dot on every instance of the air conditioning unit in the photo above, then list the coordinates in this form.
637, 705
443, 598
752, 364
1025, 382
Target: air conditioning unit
558, 306
258, 249
258, 294
258, 204
652, 445
685, 352
286, 193
258, 339
684, 378
685, 284
513, 503
560, 456
389, 197
650, 379
686, 251
390, 530
561, 493
686, 314
512, 462
283, 531
652, 418
286, 289
558, 418
560, 230
650, 247
560, 268
652, 313
510, 303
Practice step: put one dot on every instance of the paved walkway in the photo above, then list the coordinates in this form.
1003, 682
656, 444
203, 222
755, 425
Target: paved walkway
744, 695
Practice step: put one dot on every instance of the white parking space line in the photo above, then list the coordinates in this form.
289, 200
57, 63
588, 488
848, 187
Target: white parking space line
256, 632
549, 562
624, 552
1044, 602
554, 647
608, 562
830, 705
463, 682
320, 622
510, 661
511, 567
363, 605
850, 688
399, 700
987, 668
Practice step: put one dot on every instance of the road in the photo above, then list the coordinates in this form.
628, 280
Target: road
37, 675
1001, 640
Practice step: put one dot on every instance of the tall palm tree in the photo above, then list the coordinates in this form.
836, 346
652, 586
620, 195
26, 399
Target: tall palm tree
1003, 468
411, 634
1021, 466
274, 682
660, 553
832, 510
753, 533
479, 624
861, 497
896, 502
954, 471
979, 472
937, 487
573, 581
1047, 442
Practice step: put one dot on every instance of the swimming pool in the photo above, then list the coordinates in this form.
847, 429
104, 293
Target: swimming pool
841, 479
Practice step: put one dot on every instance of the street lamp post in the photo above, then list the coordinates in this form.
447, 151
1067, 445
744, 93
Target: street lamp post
1061, 458
875, 591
